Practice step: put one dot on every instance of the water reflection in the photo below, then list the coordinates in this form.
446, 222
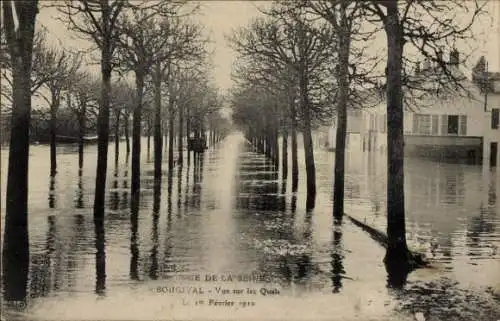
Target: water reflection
153, 270
197, 180
179, 189
125, 202
100, 257
52, 193
79, 191
134, 248
337, 257
43, 263
255, 225
114, 197
304, 263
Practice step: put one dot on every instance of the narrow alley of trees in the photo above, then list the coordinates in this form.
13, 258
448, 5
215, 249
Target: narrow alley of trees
155, 81
305, 63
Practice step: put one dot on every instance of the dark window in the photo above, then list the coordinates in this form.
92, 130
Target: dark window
452, 124
495, 118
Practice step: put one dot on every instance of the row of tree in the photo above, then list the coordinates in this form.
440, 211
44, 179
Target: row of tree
158, 58
304, 62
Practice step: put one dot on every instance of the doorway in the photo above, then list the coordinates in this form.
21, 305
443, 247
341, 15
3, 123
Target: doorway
493, 154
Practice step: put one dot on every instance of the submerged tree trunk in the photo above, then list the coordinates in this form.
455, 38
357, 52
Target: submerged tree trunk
295, 162
344, 45
148, 144
127, 133
180, 135
284, 154
103, 133
276, 148
81, 134
157, 130
171, 133
136, 139
117, 136
53, 129
188, 132
308, 143
15, 250
397, 250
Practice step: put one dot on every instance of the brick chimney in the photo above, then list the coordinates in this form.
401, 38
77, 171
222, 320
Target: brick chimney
454, 57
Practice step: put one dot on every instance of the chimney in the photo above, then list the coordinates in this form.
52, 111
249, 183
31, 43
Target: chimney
454, 57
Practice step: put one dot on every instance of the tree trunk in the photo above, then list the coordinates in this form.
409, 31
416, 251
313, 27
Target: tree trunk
15, 250
157, 130
284, 155
81, 134
397, 250
103, 132
53, 129
276, 148
148, 145
295, 162
308, 143
344, 39
117, 136
126, 130
188, 131
180, 157
170, 134
136, 138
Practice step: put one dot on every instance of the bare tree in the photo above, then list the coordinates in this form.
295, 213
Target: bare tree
288, 38
82, 98
343, 16
428, 27
96, 21
41, 58
60, 67
19, 24
149, 40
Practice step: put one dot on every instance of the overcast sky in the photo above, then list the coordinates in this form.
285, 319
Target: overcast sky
220, 17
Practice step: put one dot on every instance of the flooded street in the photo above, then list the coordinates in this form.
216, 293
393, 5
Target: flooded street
227, 222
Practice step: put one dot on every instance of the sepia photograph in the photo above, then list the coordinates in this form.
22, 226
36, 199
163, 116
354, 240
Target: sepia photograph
316, 160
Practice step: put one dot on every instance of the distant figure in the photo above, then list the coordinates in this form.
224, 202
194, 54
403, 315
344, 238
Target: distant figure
198, 145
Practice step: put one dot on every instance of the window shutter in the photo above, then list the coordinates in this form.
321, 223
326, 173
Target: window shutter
435, 124
463, 125
415, 124
444, 124
495, 118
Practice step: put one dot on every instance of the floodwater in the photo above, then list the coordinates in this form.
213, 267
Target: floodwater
228, 216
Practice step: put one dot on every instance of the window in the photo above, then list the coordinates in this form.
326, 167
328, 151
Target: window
452, 125
495, 118
422, 124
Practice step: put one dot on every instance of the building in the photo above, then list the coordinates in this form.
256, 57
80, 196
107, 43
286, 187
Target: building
353, 135
460, 124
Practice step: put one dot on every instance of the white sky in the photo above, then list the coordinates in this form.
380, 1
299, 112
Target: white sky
220, 17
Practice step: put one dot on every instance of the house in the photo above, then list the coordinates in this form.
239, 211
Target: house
353, 130
460, 124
